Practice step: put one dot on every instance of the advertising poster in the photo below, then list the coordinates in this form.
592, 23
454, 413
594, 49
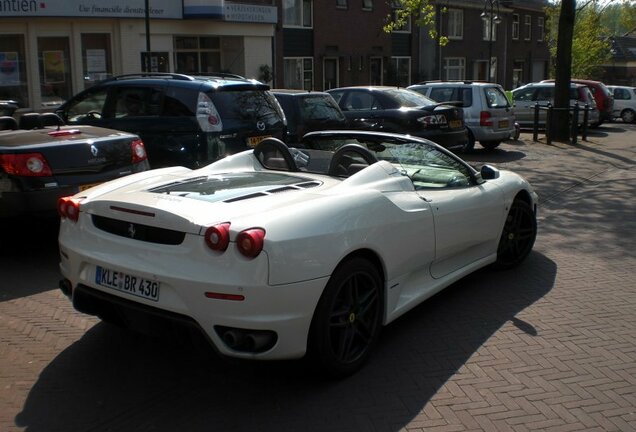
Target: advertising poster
9, 70
53, 66
96, 64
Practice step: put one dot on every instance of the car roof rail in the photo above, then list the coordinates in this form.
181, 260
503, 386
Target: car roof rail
175, 76
219, 75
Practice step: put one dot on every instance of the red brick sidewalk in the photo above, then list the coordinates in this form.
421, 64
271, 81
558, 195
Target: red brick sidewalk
549, 346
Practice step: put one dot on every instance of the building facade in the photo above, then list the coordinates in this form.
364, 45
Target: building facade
51, 50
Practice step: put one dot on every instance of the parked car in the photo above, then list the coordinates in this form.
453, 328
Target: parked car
527, 96
624, 103
602, 96
42, 164
488, 113
183, 120
308, 112
272, 259
398, 110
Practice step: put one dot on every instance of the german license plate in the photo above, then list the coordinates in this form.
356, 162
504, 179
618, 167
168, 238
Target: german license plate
252, 141
455, 123
133, 285
503, 124
87, 186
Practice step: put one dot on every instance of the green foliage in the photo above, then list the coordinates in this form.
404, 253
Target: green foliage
619, 17
590, 45
422, 12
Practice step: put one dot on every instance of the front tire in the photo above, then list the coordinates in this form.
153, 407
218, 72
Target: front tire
518, 235
348, 318
470, 144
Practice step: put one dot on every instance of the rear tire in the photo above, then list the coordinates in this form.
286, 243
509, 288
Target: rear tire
470, 144
348, 318
628, 116
518, 235
490, 145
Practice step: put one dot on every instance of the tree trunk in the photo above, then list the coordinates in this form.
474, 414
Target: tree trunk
561, 119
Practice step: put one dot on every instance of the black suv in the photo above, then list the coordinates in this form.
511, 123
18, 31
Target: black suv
182, 119
308, 111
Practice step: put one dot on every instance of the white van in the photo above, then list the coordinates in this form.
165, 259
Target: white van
624, 102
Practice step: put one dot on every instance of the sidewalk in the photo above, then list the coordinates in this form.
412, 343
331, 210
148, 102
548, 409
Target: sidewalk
549, 346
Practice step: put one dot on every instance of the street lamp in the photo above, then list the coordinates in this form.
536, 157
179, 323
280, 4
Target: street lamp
489, 15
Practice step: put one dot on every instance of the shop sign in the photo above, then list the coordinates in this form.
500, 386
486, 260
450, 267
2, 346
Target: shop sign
203, 8
90, 8
250, 13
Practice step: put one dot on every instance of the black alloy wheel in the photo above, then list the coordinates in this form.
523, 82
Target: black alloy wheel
628, 116
469, 145
348, 318
518, 235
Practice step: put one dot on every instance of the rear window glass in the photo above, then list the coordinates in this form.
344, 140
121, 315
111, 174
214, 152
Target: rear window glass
245, 108
320, 108
448, 94
495, 98
409, 98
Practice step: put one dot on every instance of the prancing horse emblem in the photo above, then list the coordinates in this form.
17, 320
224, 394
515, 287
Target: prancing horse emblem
131, 230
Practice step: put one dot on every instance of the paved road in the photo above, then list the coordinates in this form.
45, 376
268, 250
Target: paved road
548, 346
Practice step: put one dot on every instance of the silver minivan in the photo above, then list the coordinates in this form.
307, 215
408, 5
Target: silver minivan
624, 103
528, 96
488, 114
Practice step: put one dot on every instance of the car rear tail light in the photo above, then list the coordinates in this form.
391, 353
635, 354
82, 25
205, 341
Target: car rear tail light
217, 237
138, 151
25, 164
69, 208
250, 242
485, 118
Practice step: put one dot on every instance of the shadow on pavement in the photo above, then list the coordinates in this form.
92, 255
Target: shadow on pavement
112, 379
24, 241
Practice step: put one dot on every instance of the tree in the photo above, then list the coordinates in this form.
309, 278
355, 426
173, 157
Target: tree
564, 70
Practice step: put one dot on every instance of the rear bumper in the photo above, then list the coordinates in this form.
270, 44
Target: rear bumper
35, 203
448, 139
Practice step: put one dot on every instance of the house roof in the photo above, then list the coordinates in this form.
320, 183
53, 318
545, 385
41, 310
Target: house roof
623, 48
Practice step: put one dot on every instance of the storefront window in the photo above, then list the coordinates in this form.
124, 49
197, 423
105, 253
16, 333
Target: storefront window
197, 55
13, 79
55, 70
96, 58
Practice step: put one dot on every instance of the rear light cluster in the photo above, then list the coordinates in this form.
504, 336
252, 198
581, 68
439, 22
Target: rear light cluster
25, 164
249, 242
138, 151
485, 118
69, 208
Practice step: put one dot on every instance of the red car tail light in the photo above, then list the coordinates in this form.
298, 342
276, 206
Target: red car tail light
250, 242
485, 118
217, 237
25, 164
69, 208
138, 151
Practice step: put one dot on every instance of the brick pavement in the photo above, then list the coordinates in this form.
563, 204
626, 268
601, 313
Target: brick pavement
548, 346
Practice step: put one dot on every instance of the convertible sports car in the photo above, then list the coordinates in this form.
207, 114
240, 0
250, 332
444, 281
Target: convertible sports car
278, 252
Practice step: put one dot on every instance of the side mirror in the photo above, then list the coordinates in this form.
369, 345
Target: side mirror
489, 172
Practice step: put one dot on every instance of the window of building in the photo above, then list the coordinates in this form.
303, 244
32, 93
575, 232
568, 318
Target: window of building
299, 73
489, 27
342, 4
455, 24
13, 79
454, 68
401, 68
517, 73
55, 70
297, 13
376, 75
406, 28
515, 26
367, 5
96, 57
527, 25
330, 68
540, 29
196, 55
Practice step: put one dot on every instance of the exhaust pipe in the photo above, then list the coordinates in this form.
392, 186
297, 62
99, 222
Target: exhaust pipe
256, 341
66, 287
234, 339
